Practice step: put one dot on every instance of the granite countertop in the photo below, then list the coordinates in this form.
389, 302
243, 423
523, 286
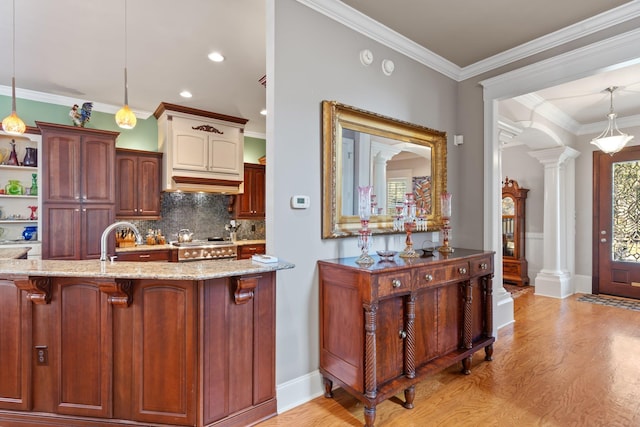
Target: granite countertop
170, 246
193, 270
13, 253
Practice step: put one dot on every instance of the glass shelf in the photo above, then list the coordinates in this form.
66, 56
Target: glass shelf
18, 196
17, 221
19, 168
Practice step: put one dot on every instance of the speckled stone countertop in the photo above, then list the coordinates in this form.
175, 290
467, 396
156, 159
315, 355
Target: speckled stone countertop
193, 270
13, 253
169, 246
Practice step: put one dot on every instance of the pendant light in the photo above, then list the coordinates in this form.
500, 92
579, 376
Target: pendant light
608, 141
125, 118
12, 124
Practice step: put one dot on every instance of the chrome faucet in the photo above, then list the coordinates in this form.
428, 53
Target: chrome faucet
105, 233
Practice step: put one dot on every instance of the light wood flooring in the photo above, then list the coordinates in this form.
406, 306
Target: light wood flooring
563, 363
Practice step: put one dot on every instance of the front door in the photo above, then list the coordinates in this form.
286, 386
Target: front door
616, 233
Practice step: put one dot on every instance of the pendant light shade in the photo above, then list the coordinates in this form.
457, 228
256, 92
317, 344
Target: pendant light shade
611, 140
125, 118
12, 124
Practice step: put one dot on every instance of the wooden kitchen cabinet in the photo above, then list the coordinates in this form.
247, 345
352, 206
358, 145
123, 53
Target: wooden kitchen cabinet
251, 203
144, 256
386, 327
97, 352
78, 188
138, 184
246, 251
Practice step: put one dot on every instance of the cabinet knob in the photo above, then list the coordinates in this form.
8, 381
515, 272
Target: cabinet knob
396, 283
484, 266
428, 277
462, 270
402, 334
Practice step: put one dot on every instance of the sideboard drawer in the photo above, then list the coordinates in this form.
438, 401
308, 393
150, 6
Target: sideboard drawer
438, 275
482, 266
393, 283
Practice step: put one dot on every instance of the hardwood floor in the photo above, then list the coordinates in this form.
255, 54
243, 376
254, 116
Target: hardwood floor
563, 363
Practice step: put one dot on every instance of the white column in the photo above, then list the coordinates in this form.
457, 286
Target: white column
554, 279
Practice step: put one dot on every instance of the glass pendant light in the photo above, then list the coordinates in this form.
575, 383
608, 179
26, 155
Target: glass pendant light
125, 118
12, 124
608, 141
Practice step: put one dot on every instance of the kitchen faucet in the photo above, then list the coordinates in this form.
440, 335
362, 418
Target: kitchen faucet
105, 233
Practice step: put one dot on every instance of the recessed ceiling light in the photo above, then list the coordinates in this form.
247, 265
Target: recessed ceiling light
186, 94
263, 112
216, 57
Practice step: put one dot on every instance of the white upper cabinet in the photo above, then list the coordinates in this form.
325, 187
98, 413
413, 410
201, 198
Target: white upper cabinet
203, 151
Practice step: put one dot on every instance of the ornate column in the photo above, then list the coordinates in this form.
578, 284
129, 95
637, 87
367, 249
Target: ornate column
554, 279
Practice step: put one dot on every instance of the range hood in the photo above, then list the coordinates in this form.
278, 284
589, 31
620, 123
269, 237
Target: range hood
189, 184
203, 151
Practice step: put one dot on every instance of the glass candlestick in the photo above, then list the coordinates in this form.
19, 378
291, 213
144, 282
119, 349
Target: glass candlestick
364, 235
445, 201
409, 217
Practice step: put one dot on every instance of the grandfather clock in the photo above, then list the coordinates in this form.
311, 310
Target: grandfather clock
514, 263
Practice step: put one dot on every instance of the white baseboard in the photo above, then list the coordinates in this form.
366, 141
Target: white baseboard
582, 284
299, 390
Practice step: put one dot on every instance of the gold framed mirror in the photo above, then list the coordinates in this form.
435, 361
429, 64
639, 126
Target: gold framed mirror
395, 157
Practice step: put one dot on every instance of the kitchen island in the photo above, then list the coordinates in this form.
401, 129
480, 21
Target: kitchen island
91, 343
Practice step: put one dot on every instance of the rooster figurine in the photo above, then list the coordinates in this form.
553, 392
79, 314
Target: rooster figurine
82, 117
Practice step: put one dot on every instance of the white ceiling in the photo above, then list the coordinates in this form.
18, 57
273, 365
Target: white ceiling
75, 49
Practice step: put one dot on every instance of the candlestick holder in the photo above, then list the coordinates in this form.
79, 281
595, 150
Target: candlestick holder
445, 200
409, 216
364, 235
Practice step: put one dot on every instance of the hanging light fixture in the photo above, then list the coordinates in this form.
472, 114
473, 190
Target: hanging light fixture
611, 140
12, 124
125, 118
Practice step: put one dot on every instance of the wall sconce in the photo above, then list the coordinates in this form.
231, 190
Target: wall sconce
458, 140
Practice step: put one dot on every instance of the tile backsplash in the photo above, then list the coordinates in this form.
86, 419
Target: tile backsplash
204, 214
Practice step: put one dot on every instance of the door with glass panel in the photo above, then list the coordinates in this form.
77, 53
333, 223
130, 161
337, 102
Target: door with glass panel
616, 233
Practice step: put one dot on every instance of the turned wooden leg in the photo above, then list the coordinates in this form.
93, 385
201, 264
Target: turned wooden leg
466, 365
488, 351
409, 394
328, 385
369, 416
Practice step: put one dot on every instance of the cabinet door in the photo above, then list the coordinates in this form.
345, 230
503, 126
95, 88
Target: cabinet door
82, 352
390, 343
98, 169
148, 187
251, 204
238, 347
15, 348
165, 352
62, 234
126, 194
225, 154
190, 150
95, 218
258, 189
61, 167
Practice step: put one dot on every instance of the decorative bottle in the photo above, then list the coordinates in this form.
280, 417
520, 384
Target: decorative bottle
34, 184
13, 157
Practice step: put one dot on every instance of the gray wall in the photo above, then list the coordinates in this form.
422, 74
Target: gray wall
317, 59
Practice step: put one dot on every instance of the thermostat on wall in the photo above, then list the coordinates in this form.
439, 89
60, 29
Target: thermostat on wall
300, 202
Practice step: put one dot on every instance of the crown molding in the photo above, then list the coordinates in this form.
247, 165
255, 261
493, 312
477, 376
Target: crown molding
361, 23
48, 98
584, 28
540, 106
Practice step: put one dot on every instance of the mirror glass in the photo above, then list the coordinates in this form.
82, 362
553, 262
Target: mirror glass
362, 148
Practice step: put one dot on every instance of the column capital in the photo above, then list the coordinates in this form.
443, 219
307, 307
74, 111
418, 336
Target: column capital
554, 156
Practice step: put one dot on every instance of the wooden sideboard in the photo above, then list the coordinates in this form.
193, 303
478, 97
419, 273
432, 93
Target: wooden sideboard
385, 327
